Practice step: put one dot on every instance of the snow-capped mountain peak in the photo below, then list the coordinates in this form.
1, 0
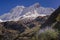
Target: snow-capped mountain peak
32, 11
36, 5
31, 14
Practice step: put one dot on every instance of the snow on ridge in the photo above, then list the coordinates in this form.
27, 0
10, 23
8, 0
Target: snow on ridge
33, 11
1, 20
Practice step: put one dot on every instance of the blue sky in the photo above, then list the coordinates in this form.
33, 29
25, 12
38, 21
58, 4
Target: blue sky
7, 5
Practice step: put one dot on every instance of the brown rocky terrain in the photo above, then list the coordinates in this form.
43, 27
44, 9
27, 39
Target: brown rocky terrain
12, 30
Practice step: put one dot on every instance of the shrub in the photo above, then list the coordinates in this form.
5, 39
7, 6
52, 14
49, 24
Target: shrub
49, 35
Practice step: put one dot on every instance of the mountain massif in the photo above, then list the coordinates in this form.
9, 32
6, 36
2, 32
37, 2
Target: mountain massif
21, 12
30, 23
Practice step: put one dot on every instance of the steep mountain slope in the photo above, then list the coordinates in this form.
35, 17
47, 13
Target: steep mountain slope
25, 12
12, 30
15, 12
27, 30
15, 25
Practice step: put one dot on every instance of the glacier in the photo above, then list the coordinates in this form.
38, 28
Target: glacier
21, 12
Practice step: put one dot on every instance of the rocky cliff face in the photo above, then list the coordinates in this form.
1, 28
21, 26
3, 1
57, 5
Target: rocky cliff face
10, 30
25, 30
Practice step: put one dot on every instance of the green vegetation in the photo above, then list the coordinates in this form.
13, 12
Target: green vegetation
49, 35
29, 33
58, 18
